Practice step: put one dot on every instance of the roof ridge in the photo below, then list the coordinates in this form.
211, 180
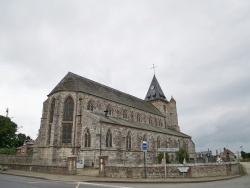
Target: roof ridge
107, 86
76, 83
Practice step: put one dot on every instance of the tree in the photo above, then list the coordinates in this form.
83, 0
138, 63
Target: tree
20, 139
181, 154
7, 132
8, 136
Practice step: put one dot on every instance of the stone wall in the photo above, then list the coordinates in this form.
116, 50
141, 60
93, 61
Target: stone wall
25, 163
14, 159
157, 171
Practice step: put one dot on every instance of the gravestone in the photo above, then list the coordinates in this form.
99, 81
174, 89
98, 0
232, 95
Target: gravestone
200, 160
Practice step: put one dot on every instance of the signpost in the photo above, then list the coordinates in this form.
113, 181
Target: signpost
144, 149
164, 157
183, 170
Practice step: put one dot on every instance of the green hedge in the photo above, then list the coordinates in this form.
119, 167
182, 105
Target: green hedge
8, 151
245, 160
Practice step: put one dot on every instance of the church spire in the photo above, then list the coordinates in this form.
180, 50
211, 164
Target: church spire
155, 91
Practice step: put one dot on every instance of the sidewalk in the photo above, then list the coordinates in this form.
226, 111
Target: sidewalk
89, 177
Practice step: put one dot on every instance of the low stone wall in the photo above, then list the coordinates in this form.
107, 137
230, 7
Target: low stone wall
16, 162
15, 159
157, 171
38, 168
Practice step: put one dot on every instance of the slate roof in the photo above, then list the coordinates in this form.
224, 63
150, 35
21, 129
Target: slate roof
137, 125
73, 82
155, 91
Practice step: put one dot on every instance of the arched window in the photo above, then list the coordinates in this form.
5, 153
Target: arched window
90, 106
164, 108
185, 145
171, 143
132, 116
158, 142
160, 123
138, 117
109, 139
150, 121
128, 141
51, 112
110, 112
67, 124
175, 144
87, 138
125, 114
68, 109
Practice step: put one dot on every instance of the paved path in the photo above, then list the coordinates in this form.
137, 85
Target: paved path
93, 178
247, 166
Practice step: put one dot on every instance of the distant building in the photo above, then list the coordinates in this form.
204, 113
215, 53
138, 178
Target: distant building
227, 155
207, 153
205, 157
25, 148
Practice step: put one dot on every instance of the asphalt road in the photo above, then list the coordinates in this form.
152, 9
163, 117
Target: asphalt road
9, 181
241, 182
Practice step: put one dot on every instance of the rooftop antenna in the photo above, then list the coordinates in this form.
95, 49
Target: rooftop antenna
154, 67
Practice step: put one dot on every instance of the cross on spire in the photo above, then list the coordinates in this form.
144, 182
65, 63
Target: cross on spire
154, 67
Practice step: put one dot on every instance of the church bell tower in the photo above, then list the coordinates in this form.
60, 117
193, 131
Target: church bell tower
156, 97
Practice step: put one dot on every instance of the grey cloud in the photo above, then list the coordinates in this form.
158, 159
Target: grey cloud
201, 50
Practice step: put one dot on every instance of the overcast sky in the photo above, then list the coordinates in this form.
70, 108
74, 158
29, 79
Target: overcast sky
201, 50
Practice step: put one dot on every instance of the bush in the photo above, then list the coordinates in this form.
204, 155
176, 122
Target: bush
245, 160
30, 152
8, 151
245, 156
160, 157
181, 154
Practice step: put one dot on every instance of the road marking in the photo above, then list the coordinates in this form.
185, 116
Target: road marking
37, 182
103, 185
78, 184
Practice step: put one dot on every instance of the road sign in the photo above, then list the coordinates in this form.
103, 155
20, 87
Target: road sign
183, 169
144, 148
168, 149
144, 145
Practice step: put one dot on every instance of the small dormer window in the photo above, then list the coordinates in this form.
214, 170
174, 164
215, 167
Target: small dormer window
150, 121
138, 117
160, 123
90, 106
110, 113
125, 114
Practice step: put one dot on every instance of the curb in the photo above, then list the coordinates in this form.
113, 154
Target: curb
98, 179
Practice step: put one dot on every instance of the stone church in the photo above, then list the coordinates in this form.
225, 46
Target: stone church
86, 119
